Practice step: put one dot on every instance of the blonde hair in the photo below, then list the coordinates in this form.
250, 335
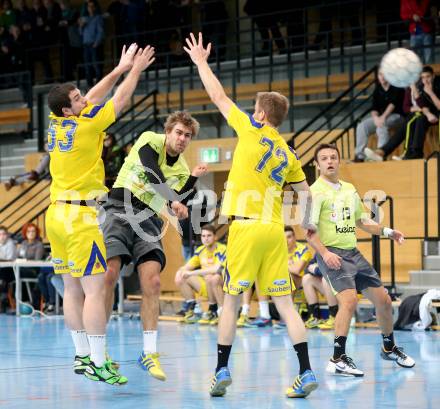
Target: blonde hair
185, 118
275, 106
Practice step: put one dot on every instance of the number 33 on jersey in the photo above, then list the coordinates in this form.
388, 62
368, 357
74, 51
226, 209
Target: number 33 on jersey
262, 164
75, 146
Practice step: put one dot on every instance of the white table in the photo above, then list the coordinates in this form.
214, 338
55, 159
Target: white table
16, 266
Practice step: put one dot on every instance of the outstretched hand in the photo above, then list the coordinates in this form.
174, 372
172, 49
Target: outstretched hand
127, 57
195, 49
143, 58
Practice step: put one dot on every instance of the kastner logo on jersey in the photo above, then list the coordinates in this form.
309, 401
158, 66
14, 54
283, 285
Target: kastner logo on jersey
345, 229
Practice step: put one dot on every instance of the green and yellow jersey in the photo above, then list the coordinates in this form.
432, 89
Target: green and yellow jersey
133, 177
335, 212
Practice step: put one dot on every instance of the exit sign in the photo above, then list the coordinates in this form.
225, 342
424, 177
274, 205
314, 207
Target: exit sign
210, 155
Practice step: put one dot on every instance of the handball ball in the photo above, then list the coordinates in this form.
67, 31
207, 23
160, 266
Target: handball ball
401, 67
25, 309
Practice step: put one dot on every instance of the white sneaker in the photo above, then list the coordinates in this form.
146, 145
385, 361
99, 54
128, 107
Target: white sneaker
344, 366
397, 355
395, 157
372, 156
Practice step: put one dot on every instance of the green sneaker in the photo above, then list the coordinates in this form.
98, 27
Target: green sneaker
105, 373
115, 365
80, 364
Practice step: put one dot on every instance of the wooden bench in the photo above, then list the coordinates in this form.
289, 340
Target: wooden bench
15, 116
304, 87
15, 121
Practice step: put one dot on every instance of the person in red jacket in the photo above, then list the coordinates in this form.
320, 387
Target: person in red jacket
421, 26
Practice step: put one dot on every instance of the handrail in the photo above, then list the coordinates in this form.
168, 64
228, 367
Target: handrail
376, 242
133, 125
425, 199
28, 189
37, 183
131, 110
333, 104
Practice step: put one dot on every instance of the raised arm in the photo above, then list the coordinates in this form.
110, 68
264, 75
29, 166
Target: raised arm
199, 56
142, 60
97, 94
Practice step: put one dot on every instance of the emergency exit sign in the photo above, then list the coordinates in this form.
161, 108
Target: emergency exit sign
210, 155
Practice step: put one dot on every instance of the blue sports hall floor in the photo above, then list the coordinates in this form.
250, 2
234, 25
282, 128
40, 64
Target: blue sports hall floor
36, 371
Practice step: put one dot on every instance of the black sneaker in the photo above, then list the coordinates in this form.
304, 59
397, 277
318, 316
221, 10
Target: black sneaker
358, 159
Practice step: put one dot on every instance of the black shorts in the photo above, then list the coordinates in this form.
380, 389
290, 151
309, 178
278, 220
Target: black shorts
131, 238
355, 272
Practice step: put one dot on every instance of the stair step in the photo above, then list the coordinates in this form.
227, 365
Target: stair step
11, 167
408, 289
431, 248
425, 277
431, 263
25, 150
11, 158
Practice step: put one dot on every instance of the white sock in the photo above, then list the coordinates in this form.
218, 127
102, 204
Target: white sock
245, 309
219, 311
82, 347
264, 309
97, 349
150, 342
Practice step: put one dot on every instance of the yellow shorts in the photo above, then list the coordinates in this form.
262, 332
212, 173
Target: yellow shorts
257, 252
203, 292
76, 241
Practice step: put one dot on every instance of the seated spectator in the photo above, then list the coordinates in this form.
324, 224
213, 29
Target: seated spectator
31, 248
424, 112
313, 282
112, 156
58, 283
202, 276
386, 113
41, 169
8, 252
299, 257
92, 32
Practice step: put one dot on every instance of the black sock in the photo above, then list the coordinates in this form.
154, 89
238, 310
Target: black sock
223, 352
339, 347
333, 310
388, 341
303, 356
313, 310
213, 307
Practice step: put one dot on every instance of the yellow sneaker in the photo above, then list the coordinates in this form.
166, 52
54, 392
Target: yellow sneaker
150, 363
214, 320
206, 318
242, 321
312, 322
328, 324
